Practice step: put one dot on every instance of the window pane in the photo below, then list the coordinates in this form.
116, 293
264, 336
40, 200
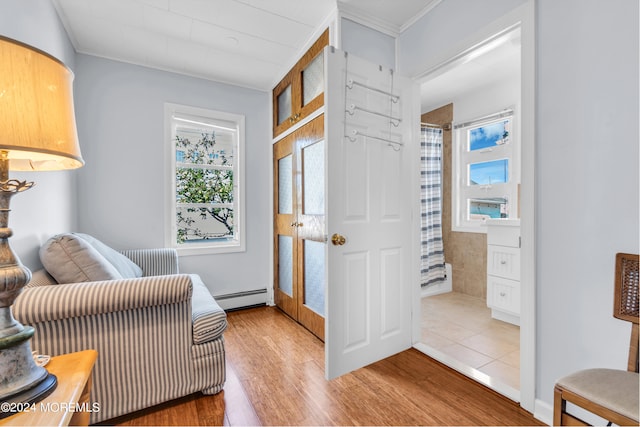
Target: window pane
484, 208
494, 172
313, 176
490, 135
285, 264
313, 79
213, 188
314, 275
284, 105
195, 185
285, 185
201, 146
197, 224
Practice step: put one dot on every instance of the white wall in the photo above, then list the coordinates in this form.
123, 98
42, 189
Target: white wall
120, 109
587, 156
49, 207
368, 43
587, 180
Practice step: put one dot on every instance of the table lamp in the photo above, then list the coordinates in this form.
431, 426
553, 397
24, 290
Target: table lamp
37, 133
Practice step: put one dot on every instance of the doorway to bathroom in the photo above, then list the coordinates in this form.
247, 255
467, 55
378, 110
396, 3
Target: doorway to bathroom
458, 323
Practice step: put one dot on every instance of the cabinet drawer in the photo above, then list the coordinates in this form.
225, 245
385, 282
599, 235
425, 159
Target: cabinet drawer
503, 261
503, 235
503, 294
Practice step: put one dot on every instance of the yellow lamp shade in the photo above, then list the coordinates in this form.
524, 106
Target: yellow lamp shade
37, 119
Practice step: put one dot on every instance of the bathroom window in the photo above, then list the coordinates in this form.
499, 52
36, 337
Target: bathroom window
205, 149
485, 173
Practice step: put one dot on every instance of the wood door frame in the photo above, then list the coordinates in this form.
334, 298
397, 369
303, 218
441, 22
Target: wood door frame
524, 18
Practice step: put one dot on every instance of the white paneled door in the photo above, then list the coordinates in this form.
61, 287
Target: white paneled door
372, 156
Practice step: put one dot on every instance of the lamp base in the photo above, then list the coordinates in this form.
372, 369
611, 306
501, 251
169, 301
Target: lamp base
21, 379
25, 400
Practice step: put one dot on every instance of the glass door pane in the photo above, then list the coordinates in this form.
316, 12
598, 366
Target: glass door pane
313, 79
284, 105
314, 261
285, 264
313, 178
285, 185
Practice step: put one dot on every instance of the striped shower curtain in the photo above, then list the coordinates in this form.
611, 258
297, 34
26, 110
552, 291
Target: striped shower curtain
432, 268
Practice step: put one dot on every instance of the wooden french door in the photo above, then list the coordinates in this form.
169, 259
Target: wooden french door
299, 225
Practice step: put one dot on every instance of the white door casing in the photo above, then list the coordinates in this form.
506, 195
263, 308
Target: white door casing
372, 161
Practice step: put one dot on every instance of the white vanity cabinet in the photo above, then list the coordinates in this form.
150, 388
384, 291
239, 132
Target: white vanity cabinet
503, 269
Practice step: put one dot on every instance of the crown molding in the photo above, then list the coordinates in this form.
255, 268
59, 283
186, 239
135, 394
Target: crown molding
428, 7
357, 15
360, 16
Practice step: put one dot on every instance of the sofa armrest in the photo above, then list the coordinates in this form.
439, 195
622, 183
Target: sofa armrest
154, 262
47, 303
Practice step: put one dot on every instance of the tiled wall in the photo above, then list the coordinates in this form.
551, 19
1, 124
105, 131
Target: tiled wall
466, 252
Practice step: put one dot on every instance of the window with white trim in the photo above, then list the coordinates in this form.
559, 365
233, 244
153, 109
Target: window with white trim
484, 172
205, 149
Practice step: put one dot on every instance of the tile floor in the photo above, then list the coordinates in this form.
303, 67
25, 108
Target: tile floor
461, 327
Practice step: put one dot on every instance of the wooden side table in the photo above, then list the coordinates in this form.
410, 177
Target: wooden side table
69, 403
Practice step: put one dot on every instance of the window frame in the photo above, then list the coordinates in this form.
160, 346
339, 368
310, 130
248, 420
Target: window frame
238, 242
462, 158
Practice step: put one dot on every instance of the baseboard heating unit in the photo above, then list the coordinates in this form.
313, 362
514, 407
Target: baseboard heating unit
244, 299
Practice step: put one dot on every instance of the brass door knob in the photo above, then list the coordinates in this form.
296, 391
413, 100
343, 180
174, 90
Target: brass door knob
338, 240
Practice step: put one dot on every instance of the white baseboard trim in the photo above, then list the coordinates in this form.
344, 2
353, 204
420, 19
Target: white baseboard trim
242, 299
435, 289
543, 412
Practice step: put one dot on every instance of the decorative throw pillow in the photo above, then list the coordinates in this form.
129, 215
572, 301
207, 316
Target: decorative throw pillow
127, 268
71, 259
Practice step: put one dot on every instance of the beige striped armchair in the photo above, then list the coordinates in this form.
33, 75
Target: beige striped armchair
158, 337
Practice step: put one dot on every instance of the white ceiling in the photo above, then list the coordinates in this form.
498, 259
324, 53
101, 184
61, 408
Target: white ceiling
253, 43
250, 43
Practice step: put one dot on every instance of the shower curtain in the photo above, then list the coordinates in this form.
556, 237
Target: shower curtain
432, 268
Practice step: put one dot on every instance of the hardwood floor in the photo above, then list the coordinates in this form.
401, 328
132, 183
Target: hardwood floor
275, 376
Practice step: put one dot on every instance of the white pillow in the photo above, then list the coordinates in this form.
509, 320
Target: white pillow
71, 259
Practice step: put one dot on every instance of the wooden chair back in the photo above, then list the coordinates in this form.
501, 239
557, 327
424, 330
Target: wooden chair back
626, 300
627, 277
